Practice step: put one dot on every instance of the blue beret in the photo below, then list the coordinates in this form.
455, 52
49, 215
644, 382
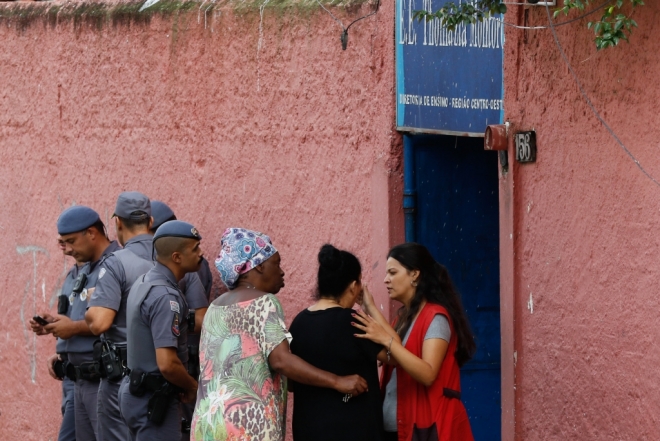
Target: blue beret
133, 205
76, 218
160, 212
177, 228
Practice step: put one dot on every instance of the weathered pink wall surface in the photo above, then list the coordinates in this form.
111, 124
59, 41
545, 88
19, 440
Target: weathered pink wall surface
294, 138
580, 242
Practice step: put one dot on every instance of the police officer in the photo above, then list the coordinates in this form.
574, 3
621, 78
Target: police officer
162, 213
107, 309
157, 338
84, 235
55, 362
198, 306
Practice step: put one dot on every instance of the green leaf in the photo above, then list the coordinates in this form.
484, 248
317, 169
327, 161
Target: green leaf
250, 372
239, 390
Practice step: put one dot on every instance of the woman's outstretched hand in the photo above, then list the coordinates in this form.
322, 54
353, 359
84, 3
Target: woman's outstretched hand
372, 329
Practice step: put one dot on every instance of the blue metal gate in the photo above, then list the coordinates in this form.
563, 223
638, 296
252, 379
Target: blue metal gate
457, 219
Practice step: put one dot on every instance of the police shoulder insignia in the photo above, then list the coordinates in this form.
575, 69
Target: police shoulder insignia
101, 273
174, 306
175, 325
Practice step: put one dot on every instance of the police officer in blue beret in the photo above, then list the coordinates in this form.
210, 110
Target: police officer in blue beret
56, 362
84, 236
107, 308
162, 213
157, 338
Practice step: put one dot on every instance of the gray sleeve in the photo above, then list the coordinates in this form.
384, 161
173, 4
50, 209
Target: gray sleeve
439, 328
163, 313
107, 292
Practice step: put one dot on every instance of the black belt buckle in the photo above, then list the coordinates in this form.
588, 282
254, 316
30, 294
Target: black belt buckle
88, 371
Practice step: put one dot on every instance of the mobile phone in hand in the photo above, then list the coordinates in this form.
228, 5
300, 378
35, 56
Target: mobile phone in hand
39, 319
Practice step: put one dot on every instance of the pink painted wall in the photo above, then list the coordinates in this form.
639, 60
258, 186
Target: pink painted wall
579, 237
295, 139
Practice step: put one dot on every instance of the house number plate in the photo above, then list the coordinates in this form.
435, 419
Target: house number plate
526, 146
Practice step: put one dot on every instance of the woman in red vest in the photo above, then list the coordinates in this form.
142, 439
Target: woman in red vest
429, 341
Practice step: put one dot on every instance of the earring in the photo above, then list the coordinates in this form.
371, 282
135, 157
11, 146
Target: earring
413, 283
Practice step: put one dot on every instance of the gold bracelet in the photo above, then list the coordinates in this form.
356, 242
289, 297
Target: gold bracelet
389, 349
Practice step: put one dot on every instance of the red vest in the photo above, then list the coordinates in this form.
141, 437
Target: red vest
420, 406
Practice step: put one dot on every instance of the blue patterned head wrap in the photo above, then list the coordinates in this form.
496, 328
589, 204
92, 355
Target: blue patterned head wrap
240, 251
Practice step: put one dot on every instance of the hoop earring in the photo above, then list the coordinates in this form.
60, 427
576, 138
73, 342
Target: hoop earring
413, 283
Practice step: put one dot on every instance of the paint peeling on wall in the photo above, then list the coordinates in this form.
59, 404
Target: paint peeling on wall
29, 304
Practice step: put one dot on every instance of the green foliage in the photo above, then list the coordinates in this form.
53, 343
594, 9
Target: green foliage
452, 15
613, 26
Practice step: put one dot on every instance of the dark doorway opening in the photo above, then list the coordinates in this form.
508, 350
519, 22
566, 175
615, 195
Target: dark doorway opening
457, 218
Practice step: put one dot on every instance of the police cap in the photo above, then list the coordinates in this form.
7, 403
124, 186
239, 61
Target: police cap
161, 213
76, 218
177, 228
133, 205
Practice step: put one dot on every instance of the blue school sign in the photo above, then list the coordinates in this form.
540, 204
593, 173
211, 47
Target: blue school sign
447, 82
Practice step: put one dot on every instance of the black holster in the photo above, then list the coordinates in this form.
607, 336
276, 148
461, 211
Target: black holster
136, 385
191, 320
111, 359
58, 367
160, 401
193, 361
62, 304
185, 426
164, 393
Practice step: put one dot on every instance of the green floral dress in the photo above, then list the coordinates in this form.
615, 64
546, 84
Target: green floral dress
239, 397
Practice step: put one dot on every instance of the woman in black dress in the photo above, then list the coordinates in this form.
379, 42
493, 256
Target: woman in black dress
323, 336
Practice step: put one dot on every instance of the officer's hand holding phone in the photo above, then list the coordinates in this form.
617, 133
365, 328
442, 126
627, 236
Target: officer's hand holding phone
61, 326
37, 323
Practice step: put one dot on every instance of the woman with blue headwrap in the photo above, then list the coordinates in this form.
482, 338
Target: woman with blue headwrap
244, 349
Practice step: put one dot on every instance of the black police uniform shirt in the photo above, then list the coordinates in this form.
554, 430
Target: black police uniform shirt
80, 348
164, 309
112, 289
67, 288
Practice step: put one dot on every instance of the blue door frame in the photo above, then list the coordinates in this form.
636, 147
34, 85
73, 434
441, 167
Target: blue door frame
451, 206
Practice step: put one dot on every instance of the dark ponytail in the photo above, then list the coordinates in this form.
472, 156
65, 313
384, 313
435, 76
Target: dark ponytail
435, 286
337, 270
